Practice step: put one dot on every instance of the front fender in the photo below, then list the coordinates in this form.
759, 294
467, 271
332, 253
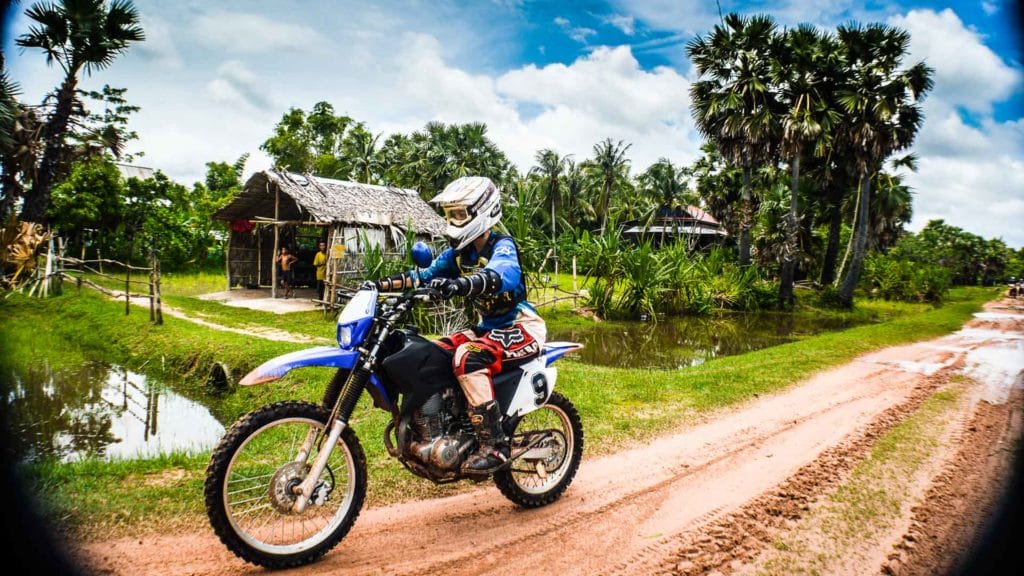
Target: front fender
275, 368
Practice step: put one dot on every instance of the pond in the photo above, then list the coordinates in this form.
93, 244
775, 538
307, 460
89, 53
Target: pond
688, 341
103, 411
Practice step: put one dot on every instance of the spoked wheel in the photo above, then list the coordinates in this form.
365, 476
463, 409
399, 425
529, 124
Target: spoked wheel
249, 485
552, 436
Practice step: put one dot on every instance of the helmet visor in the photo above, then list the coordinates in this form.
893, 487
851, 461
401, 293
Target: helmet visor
457, 215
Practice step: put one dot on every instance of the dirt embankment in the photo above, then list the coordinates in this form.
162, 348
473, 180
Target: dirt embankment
712, 498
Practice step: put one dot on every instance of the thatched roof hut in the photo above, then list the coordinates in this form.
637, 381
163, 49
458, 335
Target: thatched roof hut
297, 211
306, 198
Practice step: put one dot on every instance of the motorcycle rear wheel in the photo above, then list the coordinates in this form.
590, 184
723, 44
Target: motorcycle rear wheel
248, 483
539, 482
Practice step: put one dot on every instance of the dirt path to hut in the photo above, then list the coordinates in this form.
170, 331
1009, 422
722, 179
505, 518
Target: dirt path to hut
257, 331
716, 497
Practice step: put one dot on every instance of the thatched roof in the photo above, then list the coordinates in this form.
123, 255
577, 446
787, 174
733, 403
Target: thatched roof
305, 198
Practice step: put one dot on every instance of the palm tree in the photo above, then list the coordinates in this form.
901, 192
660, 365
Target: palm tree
550, 167
891, 209
575, 185
734, 105
609, 166
360, 150
668, 183
806, 70
79, 35
883, 116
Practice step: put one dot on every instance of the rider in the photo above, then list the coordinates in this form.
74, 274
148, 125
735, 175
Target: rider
481, 264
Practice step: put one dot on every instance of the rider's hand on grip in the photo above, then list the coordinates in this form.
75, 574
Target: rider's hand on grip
371, 285
446, 286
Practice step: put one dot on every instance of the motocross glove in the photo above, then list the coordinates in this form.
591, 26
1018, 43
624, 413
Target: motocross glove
483, 282
446, 286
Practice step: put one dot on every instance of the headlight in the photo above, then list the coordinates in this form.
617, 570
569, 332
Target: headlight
345, 335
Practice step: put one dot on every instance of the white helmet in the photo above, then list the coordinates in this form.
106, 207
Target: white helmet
471, 205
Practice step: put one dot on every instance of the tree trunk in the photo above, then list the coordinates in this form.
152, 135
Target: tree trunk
792, 233
745, 218
37, 200
835, 229
605, 200
860, 244
10, 186
849, 244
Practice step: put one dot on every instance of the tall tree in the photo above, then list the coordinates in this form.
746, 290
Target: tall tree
734, 104
806, 65
609, 166
360, 150
880, 101
310, 142
77, 35
550, 167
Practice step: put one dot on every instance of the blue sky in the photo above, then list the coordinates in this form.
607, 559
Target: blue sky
214, 77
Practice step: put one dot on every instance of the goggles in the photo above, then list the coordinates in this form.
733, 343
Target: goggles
457, 215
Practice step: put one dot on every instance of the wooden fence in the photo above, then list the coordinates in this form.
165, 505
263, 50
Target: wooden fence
82, 273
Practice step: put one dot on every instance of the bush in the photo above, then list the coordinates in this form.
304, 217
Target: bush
891, 278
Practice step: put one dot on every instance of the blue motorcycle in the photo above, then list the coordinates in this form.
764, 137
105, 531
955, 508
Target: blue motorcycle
287, 481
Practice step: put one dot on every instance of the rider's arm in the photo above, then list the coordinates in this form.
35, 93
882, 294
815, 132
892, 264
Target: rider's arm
442, 267
501, 274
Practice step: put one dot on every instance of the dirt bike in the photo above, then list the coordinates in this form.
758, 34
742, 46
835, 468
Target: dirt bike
287, 481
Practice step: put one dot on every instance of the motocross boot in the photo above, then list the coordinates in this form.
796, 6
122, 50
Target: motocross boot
493, 451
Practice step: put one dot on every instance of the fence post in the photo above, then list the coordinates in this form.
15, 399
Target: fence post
156, 288
575, 290
127, 279
152, 270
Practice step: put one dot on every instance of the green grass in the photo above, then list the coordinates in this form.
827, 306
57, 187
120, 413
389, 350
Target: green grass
619, 407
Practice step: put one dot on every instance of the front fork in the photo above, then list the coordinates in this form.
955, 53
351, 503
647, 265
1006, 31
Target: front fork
336, 423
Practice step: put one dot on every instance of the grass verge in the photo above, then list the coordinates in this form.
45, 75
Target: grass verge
620, 407
837, 532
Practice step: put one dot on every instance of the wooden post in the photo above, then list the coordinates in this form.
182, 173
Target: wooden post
128, 274
575, 290
227, 258
156, 288
540, 273
277, 231
152, 272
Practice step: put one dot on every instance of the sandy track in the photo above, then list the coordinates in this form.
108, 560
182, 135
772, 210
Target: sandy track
705, 498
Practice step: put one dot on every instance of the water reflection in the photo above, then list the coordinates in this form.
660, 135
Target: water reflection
689, 341
102, 411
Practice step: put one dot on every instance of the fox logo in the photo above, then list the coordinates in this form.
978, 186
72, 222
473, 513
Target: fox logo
508, 337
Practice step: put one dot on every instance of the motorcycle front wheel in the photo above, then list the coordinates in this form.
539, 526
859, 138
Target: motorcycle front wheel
540, 476
249, 486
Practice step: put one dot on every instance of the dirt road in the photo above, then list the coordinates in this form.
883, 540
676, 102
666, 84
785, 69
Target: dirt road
711, 498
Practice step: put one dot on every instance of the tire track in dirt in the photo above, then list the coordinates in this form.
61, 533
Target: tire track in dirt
947, 523
705, 498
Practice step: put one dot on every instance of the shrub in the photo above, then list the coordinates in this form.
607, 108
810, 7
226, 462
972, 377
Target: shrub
891, 278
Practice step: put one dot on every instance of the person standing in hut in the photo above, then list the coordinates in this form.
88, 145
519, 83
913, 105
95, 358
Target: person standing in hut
320, 264
482, 265
284, 263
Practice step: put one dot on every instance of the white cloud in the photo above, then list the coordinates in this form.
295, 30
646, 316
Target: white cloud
980, 196
690, 16
604, 95
624, 23
243, 33
990, 8
236, 84
967, 73
159, 47
577, 33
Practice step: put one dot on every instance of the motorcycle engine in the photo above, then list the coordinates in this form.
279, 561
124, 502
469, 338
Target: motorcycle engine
433, 446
